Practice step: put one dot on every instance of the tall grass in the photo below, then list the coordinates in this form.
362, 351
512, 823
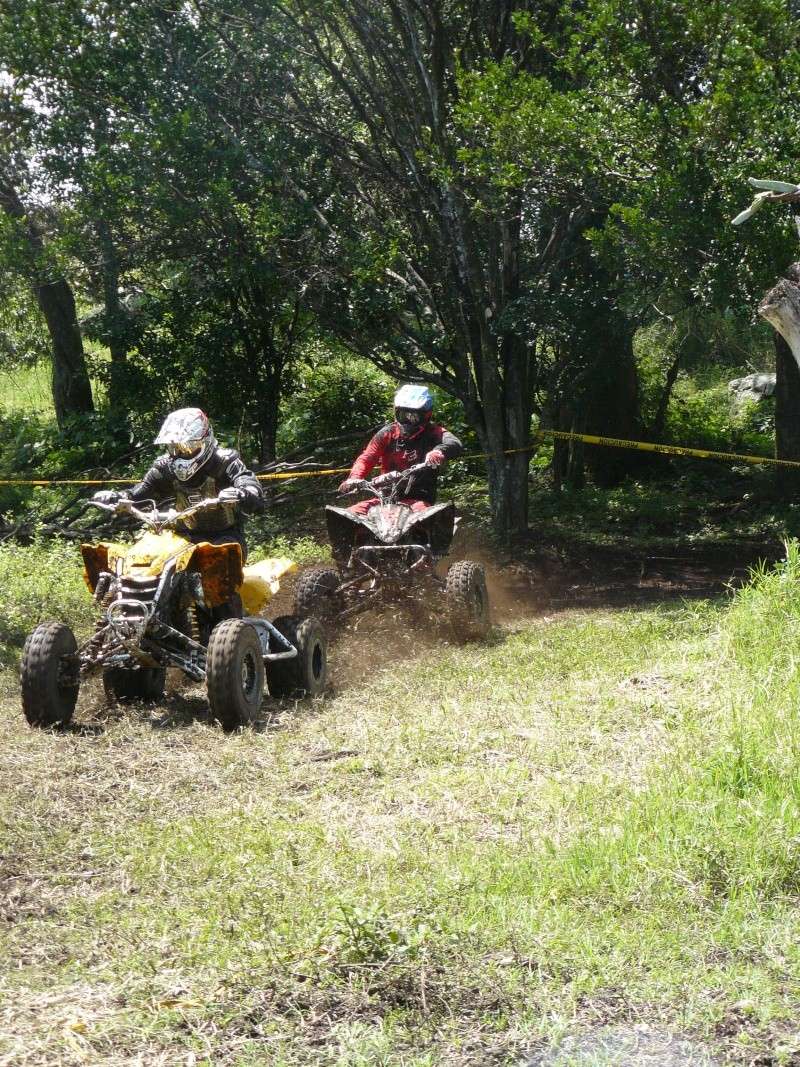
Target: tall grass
39, 582
26, 389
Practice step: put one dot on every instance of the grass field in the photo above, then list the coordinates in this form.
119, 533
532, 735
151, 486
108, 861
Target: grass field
26, 389
456, 857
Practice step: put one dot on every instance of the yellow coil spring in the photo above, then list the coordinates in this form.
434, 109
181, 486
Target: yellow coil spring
193, 622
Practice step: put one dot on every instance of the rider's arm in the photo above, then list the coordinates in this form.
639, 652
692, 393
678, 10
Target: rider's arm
156, 484
241, 478
371, 456
448, 443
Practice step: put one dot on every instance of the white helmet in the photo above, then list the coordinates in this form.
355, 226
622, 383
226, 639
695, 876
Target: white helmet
413, 408
189, 439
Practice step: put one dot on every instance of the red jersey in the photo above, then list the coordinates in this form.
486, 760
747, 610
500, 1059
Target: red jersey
391, 450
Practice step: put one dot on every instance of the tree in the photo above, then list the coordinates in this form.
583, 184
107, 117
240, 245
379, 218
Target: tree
510, 188
171, 226
426, 253
72, 392
707, 88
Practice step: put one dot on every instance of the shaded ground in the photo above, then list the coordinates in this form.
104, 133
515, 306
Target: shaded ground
625, 1046
548, 579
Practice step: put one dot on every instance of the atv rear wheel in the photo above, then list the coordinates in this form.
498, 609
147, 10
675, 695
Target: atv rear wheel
307, 674
125, 684
234, 673
468, 600
315, 594
49, 675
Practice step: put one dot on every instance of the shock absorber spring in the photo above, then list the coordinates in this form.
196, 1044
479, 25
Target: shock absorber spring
193, 622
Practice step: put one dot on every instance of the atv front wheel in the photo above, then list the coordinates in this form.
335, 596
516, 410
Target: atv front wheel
307, 673
315, 594
124, 684
468, 600
234, 673
49, 675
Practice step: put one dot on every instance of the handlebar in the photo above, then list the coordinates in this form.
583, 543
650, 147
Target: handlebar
387, 485
155, 519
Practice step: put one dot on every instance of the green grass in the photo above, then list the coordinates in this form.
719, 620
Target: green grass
39, 582
461, 853
26, 389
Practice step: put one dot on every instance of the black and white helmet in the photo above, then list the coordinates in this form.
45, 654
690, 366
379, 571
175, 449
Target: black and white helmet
189, 440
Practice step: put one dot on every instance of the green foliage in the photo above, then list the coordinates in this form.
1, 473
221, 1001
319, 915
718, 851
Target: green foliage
503, 222
33, 447
675, 507
26, 388
23, 339
331, 397
40, 581
708, 418
303, 550
702, 352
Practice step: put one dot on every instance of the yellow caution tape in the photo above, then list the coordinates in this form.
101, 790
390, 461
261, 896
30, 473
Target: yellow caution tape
285, 475
669, 450
69, 481
538, 436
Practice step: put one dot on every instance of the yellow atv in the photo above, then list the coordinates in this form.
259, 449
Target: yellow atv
166, 602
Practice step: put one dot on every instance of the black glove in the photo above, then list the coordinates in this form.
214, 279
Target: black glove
109, 496
231, 495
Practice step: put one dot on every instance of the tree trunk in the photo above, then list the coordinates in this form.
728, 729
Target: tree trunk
268, 426
72, 392
504, 432
612, 403
271, 360
660, 419
568, 456
781, 308
508, 493
115, 321
787, 401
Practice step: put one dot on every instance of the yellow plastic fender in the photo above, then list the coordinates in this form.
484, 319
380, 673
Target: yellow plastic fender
262, 581
220, 566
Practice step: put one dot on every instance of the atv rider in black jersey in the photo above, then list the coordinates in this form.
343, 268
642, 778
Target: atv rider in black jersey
195, 468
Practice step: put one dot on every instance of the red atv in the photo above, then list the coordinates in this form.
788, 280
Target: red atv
388, 555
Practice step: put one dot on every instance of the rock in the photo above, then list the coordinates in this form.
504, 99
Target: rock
752, 387
625, 1046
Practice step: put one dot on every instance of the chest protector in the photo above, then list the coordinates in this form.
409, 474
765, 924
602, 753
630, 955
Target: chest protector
215, 520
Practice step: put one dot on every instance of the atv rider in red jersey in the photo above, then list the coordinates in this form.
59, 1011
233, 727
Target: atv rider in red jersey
192, 469
412, 438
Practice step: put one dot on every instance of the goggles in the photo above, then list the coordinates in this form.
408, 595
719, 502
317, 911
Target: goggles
408, 416
184, 449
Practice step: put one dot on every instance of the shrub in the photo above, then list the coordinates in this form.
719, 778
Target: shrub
707, 418
331, 399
